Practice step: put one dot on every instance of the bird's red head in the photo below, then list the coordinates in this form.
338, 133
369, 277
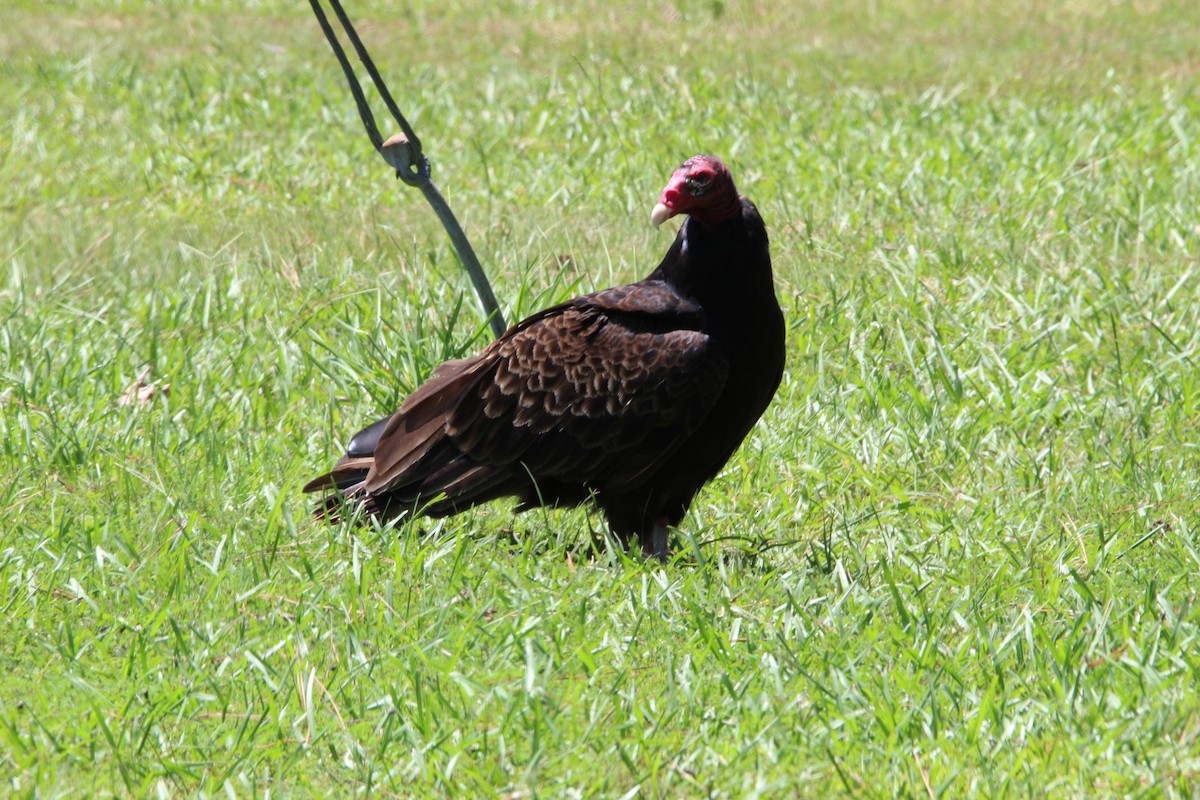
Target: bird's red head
703, 189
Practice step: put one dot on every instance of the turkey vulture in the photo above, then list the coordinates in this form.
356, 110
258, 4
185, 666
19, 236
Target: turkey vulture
633, 397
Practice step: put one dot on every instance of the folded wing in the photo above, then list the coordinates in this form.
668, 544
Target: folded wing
589, 396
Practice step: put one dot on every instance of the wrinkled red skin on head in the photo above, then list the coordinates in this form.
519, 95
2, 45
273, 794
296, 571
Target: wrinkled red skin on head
718, 202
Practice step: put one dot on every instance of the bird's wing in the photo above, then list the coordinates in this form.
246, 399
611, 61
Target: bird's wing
407, 435
599, 390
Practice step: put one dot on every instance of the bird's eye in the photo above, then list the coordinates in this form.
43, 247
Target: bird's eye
697, 184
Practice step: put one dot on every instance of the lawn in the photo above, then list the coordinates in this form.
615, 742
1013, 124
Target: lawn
958, 556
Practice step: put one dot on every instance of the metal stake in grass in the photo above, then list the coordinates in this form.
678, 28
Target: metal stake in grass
403, 153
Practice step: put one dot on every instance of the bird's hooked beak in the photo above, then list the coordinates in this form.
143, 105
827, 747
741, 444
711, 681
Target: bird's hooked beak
672, 201
661, 213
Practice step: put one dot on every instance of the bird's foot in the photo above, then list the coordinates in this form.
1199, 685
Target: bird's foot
657, 544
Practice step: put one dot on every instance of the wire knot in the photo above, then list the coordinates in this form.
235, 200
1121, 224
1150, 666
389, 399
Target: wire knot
410, 163
403, 154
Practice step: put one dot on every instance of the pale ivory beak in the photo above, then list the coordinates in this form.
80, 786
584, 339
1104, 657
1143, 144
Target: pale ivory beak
661, 214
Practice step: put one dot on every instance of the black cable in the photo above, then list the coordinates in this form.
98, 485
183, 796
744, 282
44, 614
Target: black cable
414, 169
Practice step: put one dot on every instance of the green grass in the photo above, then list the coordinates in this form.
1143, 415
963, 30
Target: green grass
957, 557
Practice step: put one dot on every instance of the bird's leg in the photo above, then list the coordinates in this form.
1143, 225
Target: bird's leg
657, 546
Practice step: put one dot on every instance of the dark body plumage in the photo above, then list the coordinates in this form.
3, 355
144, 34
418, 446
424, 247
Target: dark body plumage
634, 396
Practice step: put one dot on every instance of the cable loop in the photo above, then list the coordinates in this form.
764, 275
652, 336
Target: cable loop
403, 153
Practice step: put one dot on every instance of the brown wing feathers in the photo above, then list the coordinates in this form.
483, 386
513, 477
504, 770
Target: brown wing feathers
578, 394
420, 423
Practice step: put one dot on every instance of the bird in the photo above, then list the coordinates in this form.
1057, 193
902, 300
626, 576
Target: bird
630, 398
